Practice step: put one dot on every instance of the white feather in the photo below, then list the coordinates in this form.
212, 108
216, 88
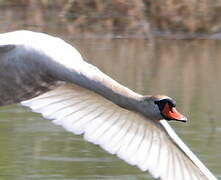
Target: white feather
131, 136
111, 140
187, 151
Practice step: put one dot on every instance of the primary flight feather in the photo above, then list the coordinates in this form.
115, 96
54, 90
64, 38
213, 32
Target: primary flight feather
50, 76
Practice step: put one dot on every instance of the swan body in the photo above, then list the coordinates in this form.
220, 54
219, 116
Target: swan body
50, 76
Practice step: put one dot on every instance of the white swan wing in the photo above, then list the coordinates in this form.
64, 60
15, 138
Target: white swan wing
132, 137
32, 63
21, 77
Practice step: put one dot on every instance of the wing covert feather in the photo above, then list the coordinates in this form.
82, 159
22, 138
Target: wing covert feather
132, 137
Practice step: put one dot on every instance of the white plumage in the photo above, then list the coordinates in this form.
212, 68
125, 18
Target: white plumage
54, 80
127, 134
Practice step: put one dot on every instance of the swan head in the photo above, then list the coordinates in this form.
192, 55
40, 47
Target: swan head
162, 107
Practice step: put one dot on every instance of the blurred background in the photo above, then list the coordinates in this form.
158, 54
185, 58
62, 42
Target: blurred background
153, 47
115, 18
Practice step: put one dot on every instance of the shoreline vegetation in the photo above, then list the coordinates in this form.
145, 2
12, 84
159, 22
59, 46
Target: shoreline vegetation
183, 19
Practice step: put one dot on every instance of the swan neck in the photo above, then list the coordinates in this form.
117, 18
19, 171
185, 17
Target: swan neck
111, 89
118, 93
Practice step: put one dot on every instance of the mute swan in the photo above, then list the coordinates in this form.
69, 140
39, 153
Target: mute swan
49, 76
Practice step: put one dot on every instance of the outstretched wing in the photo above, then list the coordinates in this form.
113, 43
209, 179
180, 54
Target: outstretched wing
21, 78
32, 63
131, 136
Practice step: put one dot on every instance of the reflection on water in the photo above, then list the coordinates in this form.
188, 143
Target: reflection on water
189, 71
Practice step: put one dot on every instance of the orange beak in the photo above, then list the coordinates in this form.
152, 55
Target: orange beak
171, 113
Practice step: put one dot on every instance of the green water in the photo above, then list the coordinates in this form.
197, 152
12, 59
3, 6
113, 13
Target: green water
189, 71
